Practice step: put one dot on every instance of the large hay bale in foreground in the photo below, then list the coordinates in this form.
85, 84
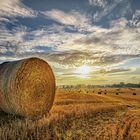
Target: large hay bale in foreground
27, 87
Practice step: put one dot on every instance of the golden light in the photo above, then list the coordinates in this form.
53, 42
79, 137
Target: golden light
83, 71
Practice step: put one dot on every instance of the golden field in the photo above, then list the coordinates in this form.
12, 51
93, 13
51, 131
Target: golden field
82, 114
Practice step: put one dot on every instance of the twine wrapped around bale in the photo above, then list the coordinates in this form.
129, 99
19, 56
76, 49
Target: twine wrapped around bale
27, 87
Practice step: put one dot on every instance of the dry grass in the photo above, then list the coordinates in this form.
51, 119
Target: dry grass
81, 116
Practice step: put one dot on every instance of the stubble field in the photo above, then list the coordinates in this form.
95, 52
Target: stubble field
81, 114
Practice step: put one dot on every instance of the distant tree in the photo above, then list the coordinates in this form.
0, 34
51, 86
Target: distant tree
122, 84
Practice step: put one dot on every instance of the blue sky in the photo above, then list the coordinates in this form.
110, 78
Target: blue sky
103, 35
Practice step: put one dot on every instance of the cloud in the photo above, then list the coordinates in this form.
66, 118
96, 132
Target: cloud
72, 59
10, 41
2, 19
72, 18
7, 58
118, 70
23, 40
100, 3
119, 39
105, 9
136, 19
14, 8
119, 23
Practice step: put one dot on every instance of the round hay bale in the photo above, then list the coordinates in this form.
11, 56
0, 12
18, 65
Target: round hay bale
27, 87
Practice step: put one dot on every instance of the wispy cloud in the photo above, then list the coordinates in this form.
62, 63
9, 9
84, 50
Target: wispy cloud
10, 8
72, 18
136, 19
105, 8
117, 70
100, 3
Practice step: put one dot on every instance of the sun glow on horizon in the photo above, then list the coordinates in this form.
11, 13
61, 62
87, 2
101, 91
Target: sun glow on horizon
83, 71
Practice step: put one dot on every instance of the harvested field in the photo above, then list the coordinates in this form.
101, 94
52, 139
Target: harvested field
85, 116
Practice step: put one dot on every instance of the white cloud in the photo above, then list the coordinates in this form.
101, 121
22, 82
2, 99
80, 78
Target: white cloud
72, 18
136, 19
120, 23
2, 19
100, 3
15, 35
15, 8
107, 9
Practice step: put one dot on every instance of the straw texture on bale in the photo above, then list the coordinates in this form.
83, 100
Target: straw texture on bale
27, 87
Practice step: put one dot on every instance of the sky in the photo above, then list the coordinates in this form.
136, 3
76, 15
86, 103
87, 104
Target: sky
84, 41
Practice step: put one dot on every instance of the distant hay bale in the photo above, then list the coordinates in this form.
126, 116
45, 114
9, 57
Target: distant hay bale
27, 87
117, 93
118, 89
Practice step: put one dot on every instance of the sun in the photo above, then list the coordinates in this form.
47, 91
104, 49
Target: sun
83, 71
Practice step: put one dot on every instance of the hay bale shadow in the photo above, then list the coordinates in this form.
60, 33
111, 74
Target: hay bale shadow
6, 118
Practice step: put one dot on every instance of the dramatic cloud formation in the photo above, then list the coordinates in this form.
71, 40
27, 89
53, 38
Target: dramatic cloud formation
102, 34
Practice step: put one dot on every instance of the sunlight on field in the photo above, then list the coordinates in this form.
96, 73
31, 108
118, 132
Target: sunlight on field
104, 114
